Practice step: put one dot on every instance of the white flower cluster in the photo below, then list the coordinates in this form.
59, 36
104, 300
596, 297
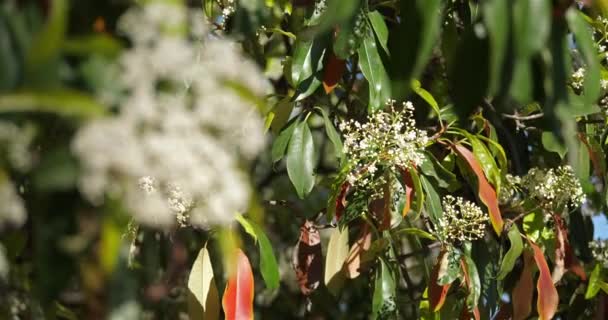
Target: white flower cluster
183, 134
12, 209
15, 144
462, 220
578, 78
554, 188
228, 9
389, 139
599, 250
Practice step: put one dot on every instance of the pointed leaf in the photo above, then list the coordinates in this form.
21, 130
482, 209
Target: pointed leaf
433, 204
380, 29
547, 301
279, 146
268, 262
373, 69
486, 193
363, 244
595, 281
383, 301
301, 159
437, 293
473, 282
63, 102
203, 297
408, 184
524, 289
332, 134
238, 295
337, 251
334, 68
508, 262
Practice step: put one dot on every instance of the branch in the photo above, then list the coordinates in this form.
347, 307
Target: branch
523, 118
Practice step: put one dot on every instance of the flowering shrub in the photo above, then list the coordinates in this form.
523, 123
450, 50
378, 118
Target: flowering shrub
420, 159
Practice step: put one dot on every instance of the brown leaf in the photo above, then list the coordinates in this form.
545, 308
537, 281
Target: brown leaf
467, 280
564, 256
353, 261
524, 289
333, 72
486, 192
409, 190
381, 209
547, 301
308, 258
437, 293
341, 199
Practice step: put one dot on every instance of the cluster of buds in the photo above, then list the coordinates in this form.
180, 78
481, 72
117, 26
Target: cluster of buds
578, 78
599, 250
177, 201
554, 188
462, 221
388, 140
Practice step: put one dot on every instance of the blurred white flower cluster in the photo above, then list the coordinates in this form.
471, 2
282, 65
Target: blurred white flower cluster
599, 250
183, 133
12, 209
389, 140
462, 220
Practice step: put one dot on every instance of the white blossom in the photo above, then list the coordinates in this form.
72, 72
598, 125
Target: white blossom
176, 149
12, 208
462, 220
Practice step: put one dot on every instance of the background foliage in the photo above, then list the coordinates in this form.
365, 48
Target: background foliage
500, 87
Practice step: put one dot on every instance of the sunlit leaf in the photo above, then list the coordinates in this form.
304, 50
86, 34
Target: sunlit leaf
337, 252
433, 204
515, 250
279, 146
373, 69
437, 293
268, 263
380, 29
353, 260
203, 297
301, 159
547, 301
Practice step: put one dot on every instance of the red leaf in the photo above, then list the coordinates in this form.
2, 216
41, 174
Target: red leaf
353, 261
564, 256
409, 190
333, 72
341, 200
308, 258
487, 194
547, 301
524, 289
238, 296
381, 209
437, 293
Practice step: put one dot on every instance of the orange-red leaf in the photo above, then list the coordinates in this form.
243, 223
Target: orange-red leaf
333, 72
437, 293
409, 190
524, 289
353, 261
547, 301
486, 192
341, 200
238, 296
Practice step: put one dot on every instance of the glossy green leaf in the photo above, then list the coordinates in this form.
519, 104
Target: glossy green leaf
416, 232
593, 287
268, 262
532, 22
281, 111
307, 60
63, 102
279, 146
383, 300
332, 134
533, 225
474, 282
508, 262
301, 159
449, 267
486, 160
431, 167
586, 45
380, 29
426, 96
433, 204
373, 69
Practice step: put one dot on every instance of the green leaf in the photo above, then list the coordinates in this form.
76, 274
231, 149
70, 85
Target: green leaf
281, 111
431, 167
301, 159
63, 102
426, 96
593, 287
203, 297
47, 44
433, 203
475, 283
380, 29
449, 268
411, 43
336, 12
508, 262
533, 225
307, 60
496, 18
337, 251
268, 263
8, 58
99, 44
332, 134
551, 143
416, 232
373, 70
585, 43
279, 146
383, 300
486, 160
532, 23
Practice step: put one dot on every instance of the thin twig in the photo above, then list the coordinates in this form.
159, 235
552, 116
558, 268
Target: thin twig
523, 118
